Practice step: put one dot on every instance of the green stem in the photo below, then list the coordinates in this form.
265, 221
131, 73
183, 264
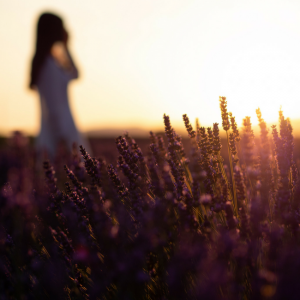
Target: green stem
232, 177
224, 175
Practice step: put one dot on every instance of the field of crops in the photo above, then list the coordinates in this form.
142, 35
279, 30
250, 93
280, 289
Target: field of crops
201, 219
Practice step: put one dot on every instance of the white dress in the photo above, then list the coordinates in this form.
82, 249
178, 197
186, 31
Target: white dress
57, 124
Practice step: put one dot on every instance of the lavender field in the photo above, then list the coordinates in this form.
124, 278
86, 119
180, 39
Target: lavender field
163, 218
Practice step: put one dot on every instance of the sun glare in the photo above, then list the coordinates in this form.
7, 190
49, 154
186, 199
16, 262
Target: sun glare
254, 65
262, 70
136, 65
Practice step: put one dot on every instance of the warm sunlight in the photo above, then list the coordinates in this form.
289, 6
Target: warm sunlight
160, 57
110, 188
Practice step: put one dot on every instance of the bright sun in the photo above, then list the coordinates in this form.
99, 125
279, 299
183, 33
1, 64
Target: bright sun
255, 64
263, 71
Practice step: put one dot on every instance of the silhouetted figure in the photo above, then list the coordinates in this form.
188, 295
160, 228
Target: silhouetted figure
52, 69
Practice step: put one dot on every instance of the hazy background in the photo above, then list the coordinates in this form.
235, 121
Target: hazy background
141, 59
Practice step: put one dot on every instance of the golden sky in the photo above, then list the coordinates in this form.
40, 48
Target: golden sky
141, 59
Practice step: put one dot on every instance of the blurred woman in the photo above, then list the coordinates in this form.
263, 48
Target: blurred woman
52, 69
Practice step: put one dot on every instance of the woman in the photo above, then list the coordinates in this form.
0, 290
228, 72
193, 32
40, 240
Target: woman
52, 69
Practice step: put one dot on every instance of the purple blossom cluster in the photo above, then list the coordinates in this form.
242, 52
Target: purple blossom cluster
158, 226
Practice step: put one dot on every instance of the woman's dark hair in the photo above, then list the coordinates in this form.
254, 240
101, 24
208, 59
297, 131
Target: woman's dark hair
49, 30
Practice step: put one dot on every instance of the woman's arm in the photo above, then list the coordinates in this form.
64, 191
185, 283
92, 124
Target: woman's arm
62, 56
72, 67
72, 70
